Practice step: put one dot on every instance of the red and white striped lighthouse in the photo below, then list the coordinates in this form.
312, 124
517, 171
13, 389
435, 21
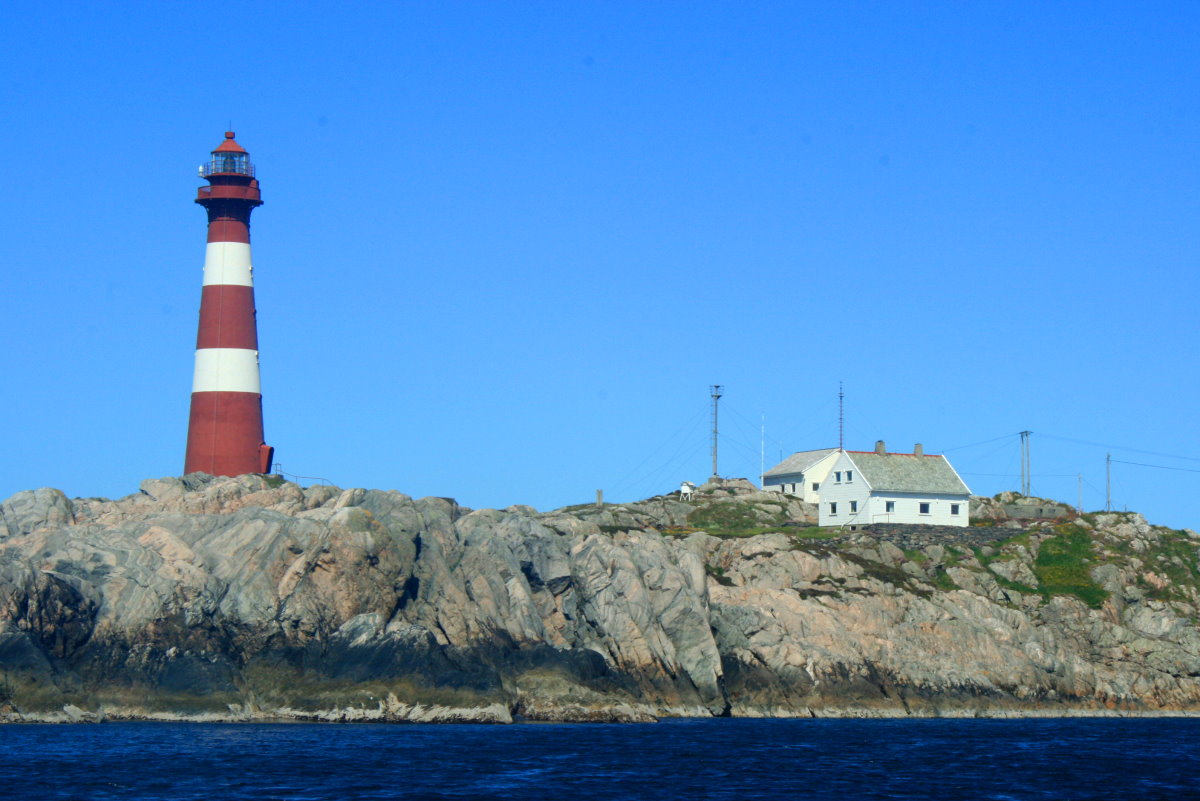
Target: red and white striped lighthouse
225, 429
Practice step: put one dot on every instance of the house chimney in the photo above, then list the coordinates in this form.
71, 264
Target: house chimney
880, 448
918, 450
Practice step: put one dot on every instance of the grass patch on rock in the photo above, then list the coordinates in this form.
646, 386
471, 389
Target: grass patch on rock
1063, 564
942, 580
815, 533
736, 518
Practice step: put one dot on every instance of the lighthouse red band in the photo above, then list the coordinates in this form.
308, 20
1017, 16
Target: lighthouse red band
225, 429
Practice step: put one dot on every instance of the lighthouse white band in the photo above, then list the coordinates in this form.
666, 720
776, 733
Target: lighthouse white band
226, 370
228, 263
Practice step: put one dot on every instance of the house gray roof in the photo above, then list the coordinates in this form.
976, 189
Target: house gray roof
799, 462
905, 472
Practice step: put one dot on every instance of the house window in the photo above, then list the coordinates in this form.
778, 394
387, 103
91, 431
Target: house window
954, 508
837, 477
849, 475
816, 486
832, 509
853, 507
889, 506
923, 508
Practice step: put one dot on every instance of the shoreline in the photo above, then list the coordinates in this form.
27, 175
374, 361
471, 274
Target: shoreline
451, 716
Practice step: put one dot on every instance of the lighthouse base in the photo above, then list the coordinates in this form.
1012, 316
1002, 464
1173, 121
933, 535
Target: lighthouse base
225, 435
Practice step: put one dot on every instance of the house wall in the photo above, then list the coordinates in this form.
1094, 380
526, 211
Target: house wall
789, 483
907, 509
872, 504
845, 493
800, 484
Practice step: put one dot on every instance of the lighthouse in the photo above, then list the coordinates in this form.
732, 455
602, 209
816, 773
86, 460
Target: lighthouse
225, 427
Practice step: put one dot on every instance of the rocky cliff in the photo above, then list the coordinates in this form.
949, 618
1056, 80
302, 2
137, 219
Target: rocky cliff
253, 598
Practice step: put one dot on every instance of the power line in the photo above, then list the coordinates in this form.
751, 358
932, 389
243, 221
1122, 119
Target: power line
1119, 448
989, 453
984, 442
1035, 475
1157, 466
674, 464
634, 476
1095, 489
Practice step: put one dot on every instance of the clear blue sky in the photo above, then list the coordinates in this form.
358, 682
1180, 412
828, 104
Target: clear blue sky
506, 247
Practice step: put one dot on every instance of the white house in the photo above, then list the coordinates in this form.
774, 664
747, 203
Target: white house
866, 487
801, 474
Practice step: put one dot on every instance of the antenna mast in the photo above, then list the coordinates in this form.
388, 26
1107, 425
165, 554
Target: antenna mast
1108, 482
1025, 490
762, 451
715, 392
841, 417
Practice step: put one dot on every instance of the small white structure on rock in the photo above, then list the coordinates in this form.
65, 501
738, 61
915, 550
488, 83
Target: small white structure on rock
866, 487
801, 474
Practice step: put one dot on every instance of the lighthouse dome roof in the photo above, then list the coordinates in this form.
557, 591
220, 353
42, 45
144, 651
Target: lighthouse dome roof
229, 146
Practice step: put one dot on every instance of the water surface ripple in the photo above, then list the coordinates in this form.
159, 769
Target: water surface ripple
1141, 759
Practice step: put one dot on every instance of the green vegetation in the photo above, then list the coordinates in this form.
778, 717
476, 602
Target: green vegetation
737, 518
815, 533
1005, 550
1063, 555
273, 481
1178, 556
1171, 554
1016, 586
1063, 563
718, 574
887, 574
942, 580
1002, 551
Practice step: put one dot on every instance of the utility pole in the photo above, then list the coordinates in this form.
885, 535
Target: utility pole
1025, 489
1079, 493
715, 393
1108, 482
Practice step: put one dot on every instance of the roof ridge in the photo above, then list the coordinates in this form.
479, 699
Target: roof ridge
897, 453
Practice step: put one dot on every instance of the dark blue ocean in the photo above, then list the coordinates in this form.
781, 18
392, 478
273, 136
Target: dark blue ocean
681, 759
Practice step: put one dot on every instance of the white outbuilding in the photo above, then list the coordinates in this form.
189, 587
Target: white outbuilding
866, 487
801, 474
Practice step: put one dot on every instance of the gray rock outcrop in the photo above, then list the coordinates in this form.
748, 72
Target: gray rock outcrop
253, 598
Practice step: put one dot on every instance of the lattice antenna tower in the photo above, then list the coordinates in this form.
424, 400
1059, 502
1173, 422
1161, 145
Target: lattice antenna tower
715, 391
1026, 474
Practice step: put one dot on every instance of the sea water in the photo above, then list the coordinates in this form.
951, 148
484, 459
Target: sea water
1146, 759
